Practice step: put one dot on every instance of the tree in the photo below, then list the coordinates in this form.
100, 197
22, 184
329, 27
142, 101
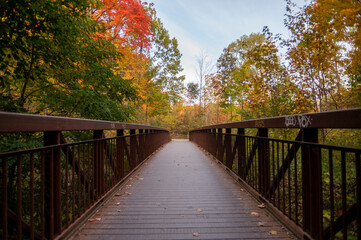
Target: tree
52, 61
192, 91
204, 67
126, 22
316, 54
165, 60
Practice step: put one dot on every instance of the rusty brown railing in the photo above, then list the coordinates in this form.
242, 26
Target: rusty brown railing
313, 188
46, 192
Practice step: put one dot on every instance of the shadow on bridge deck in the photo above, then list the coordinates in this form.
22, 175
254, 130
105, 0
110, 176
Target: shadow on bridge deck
180, 193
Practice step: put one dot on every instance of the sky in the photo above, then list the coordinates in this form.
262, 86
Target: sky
211, 25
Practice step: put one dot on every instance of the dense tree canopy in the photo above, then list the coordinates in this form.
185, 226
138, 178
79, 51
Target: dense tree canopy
114, 59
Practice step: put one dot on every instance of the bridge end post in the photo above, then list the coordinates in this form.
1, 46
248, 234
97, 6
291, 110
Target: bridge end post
52, 185
311, 184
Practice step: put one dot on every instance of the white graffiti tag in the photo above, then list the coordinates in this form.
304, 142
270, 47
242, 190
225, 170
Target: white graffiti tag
290, 121
300, 120
304, 121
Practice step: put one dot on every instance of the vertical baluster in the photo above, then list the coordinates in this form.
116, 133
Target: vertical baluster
296, 183
32, 196
289, 183
358, 193
79, 180
42, 193
283, 182
67, 186
278, 170
73, 185
90, 189
343, 190
5, 198
332, 200
84, 182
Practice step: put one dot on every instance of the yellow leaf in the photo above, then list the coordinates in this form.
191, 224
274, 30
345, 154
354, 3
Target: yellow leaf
273, 232
196, 234
199, 210
255, 214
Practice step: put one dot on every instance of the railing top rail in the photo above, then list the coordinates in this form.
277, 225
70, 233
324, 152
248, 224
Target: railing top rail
21, 122
350, 118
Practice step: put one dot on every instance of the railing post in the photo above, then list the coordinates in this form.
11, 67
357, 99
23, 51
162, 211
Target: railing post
219, 145
120, 154
263, 162
214, 142
98, 163
141, 146
311, 184
146, 143
52, 185
241, 151
133, 149
228, 147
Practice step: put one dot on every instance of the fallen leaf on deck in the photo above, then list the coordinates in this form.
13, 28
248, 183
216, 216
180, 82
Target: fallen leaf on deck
129, 193
273, 232
261, 224
199, 210
242, 189
117, 194
118, 203
196, 234
141, 179
262, 205
94, 219
255, 214
239, 198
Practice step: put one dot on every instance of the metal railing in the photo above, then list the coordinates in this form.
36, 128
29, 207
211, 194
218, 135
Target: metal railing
47, 191
313, 188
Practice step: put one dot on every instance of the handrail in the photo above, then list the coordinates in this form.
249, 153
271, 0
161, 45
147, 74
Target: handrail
314, 189
349, 118
48, 191
21, 122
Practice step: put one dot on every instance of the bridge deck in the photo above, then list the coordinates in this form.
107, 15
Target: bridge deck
182, 194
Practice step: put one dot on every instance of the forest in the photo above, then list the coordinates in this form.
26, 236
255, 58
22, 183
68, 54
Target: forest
115, 60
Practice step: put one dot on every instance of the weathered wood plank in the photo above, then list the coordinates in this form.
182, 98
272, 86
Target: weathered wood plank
181, 192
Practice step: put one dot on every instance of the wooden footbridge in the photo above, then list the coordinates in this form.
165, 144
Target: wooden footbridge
238, 180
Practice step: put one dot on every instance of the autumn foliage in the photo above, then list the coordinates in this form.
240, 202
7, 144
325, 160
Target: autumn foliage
126, 22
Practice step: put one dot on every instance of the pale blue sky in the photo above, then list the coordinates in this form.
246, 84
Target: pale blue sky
211, 25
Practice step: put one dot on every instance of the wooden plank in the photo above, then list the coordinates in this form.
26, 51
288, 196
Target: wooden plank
182, 191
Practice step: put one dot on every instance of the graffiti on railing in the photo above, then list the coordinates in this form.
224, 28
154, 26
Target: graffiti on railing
300, 120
